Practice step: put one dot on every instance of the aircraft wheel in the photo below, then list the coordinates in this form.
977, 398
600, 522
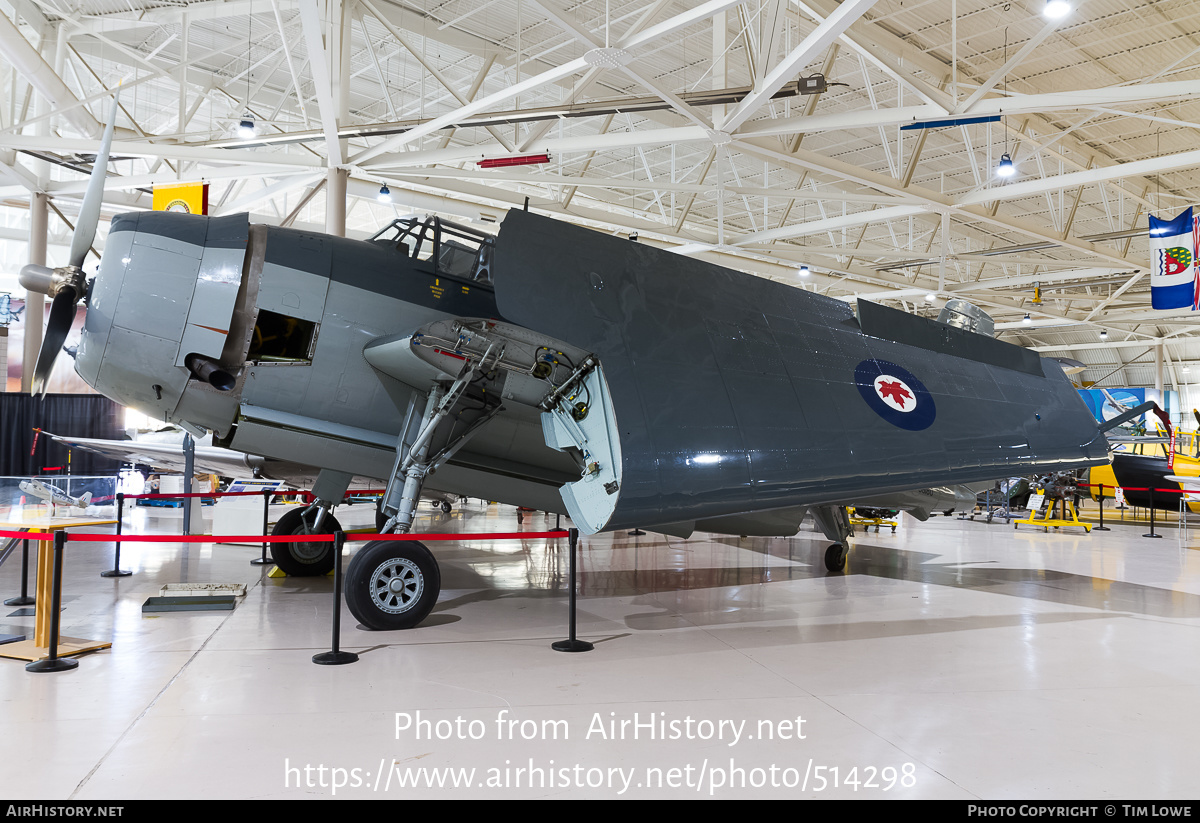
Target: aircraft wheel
392, 585
446, 506
303, 559
835, 557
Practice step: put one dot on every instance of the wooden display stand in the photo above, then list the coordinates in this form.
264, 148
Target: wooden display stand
39, 647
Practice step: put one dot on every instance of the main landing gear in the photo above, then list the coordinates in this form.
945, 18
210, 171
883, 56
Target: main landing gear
392, 585
395, 584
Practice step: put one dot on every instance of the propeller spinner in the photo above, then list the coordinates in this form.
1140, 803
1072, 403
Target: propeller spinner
66, 285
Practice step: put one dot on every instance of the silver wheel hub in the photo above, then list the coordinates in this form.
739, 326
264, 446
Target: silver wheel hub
309, 552
396, 585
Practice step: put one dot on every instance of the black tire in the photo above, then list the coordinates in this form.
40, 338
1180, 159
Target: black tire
446, 507
392, 584
303, 559
835, 558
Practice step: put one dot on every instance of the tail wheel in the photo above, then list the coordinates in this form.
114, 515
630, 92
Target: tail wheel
835, 557
392, 585
304, 559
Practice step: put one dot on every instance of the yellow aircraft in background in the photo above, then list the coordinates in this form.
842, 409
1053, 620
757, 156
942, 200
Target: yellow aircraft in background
1145, 464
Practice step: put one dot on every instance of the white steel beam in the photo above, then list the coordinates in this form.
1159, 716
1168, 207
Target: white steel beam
812, 45
26, 60
68, 145
1154, 165
1012, 63
664, 29
1014, 104
318, 62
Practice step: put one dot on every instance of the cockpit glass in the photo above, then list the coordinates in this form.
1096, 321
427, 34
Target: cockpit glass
455, 250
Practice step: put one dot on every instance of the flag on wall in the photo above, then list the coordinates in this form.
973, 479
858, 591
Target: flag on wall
1173, 252
189, 198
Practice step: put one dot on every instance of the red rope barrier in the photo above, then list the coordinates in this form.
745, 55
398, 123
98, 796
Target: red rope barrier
203, 538
281, 538
458, 536
1133, 488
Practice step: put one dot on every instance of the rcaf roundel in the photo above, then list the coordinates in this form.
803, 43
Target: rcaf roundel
895, 394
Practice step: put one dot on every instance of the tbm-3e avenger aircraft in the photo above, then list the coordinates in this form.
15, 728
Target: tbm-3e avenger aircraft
551, 367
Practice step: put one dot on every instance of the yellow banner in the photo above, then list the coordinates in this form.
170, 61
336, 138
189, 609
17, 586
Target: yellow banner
189, 198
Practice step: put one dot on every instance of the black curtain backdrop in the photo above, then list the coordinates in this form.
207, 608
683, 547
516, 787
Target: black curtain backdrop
71, 415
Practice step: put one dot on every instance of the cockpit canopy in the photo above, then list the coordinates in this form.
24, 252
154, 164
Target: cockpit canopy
458, 250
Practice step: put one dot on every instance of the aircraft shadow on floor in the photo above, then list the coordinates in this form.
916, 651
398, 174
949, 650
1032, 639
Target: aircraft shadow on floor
735, 601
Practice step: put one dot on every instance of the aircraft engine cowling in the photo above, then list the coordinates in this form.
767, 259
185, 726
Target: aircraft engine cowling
164, 296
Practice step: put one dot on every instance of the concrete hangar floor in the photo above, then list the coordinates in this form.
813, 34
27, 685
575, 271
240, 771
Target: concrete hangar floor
953, 659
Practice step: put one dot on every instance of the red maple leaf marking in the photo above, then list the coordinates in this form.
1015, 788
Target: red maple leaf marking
894, 390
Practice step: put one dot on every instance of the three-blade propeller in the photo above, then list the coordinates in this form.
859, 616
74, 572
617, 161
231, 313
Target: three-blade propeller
66, 285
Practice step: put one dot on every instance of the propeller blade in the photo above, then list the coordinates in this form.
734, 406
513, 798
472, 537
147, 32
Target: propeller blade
89, 213
62, 315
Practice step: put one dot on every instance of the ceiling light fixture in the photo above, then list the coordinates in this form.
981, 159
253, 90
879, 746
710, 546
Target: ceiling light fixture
1104, 334
385, 194
1056, 9
1006, 168
246, 129
805, 271
1027, 319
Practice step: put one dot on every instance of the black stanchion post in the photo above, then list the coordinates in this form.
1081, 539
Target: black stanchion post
572, 644
24, 599
115, 571
54, 663
1101, 527
1152, 534
336, 657
263, 561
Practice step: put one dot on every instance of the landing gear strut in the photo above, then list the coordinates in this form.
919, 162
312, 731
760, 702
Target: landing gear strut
394, 584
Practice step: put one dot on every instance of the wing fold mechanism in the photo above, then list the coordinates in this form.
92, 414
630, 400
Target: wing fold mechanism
472, 369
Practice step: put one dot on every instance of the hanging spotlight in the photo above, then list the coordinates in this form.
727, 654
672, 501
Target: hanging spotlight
1056, 9
1186, 369
1006, 167
1104, 334
246, 130
804, 271
931, 297
385, 194
1027, 319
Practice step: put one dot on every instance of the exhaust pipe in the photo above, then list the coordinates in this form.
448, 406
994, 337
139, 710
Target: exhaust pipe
207, 370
